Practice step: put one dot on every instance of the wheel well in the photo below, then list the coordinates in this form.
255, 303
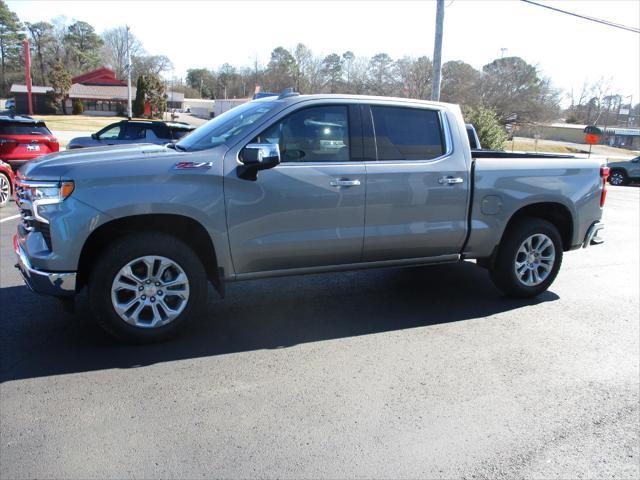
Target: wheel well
555, 213
186, 229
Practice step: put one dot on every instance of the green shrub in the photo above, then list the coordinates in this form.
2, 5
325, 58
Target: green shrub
77, 107
492, 135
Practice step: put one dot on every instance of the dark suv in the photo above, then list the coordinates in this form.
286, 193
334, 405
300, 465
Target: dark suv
134, 131
24, 138
624, 172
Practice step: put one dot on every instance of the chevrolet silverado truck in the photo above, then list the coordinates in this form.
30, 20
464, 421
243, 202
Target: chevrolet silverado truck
294, 184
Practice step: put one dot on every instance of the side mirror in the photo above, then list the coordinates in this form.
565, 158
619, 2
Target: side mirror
94, 136
256, 157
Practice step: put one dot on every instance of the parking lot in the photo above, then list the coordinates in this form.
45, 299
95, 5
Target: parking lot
395, 373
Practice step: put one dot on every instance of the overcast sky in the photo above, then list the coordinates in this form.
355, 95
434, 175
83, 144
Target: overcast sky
209, 33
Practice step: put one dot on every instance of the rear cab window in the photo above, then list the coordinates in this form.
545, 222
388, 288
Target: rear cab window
406, 133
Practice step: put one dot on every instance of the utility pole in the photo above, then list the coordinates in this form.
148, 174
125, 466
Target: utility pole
502, 50
437, 52
129, 113
27, 64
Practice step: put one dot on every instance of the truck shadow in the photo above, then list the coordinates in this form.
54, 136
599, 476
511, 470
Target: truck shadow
40, 339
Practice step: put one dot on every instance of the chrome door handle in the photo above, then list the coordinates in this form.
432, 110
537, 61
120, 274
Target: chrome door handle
449, 180
345, 183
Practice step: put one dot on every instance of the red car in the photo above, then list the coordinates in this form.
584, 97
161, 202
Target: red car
6, 183
24, 138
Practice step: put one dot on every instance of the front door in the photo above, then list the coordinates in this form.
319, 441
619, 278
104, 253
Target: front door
309, 210
417, 187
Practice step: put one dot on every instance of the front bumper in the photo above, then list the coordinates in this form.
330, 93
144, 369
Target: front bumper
59, 284
592, 238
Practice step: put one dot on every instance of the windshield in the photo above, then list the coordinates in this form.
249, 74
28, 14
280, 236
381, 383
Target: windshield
225, 127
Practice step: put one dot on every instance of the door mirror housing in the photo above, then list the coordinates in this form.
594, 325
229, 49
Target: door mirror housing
94, 136
256, 157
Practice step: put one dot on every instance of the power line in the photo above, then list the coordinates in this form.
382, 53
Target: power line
585, 17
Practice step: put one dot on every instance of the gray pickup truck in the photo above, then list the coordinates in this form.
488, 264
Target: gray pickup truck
289, 185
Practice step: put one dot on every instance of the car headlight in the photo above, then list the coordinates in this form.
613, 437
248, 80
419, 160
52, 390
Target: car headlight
42, 193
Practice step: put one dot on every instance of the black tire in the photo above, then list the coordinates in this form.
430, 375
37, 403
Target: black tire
618, 178
6, 189
503, 271
127, 249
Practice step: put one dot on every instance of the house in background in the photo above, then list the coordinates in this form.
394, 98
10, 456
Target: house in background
100, 92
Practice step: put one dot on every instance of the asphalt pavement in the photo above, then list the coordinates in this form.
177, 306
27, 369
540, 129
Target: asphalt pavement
395, 373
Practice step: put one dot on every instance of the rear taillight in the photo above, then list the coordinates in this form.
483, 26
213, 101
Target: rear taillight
54, 146
604, 174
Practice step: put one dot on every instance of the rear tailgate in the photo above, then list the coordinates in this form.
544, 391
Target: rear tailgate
24, 140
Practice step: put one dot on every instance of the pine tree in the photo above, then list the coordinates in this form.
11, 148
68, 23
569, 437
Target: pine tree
61, 82
138, 103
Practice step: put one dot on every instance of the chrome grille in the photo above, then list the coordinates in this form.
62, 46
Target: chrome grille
28, 221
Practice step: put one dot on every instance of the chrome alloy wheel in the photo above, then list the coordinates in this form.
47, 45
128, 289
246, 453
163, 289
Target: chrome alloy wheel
534, 260
616, 179
150, 291
5, 189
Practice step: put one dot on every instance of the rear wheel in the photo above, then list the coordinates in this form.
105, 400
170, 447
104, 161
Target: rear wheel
618, 178
528, 259
5, 189
145, 287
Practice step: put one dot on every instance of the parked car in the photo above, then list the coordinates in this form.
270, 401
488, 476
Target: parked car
280, 186
6, 183
23, 138
134, 131
624, 172
9, 104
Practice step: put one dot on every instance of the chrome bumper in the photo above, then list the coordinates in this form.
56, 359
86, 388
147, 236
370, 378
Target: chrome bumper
592, 238
59, 284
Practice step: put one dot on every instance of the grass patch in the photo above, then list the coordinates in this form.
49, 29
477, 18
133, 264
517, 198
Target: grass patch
528, 145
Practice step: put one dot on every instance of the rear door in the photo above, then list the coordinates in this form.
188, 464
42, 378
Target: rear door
417, 185
309, 210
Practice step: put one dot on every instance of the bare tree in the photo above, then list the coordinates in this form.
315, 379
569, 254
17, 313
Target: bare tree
115, 49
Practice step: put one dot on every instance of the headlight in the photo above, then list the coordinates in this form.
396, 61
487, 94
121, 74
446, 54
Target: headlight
42, 193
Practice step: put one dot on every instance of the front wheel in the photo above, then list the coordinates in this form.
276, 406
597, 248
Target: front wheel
145, 287
618, 178
528, 258
5, 190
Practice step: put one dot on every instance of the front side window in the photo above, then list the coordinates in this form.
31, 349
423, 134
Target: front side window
315, 134
110, 133
407, 133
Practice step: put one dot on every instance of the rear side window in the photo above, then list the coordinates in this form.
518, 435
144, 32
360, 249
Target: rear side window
407, 133
161, 131
19, 128
179, 133
135, 132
